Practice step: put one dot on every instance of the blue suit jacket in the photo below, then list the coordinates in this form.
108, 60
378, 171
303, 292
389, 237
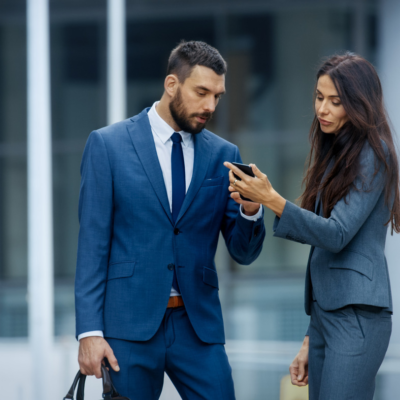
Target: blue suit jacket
347, 264
127, 240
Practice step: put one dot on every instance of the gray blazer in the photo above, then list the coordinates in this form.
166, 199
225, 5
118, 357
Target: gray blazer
347, 263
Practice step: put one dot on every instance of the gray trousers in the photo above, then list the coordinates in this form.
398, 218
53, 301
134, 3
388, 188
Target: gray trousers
347, 347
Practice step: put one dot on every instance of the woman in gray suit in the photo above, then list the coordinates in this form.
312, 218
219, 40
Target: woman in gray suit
351, 197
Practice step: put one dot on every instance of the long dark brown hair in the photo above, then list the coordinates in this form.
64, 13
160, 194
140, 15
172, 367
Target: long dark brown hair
360, 92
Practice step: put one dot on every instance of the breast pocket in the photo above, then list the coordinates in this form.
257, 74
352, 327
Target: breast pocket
213, 182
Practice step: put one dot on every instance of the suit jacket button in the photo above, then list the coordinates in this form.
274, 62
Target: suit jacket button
171, 267
176, 231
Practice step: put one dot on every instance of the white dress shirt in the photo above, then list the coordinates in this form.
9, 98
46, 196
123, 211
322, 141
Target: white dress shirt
162, 133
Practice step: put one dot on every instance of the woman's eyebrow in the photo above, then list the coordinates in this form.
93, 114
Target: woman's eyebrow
336, 95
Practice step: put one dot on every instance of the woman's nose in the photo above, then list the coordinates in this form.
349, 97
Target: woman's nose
322, 110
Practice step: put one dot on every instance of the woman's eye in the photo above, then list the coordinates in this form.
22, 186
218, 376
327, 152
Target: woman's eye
320, 98
336, 104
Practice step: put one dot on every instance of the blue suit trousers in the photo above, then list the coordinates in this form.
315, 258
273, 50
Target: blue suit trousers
347, 347
199, 371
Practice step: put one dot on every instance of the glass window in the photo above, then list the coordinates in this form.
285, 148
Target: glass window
78, 60
148, 52
13, 184
270, 83
272, 53
78, 88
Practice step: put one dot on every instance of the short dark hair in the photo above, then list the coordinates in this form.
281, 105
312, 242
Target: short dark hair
187, 55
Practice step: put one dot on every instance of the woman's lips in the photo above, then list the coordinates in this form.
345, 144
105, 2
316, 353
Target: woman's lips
323, 122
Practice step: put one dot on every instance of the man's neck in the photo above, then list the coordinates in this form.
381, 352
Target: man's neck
163, 111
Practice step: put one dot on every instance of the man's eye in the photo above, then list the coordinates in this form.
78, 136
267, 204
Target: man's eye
201, 94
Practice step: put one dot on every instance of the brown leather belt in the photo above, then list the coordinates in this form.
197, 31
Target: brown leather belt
175, 301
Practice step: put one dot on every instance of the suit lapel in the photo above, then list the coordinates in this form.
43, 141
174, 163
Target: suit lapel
308, 286
316, 202
143, 142
202, 156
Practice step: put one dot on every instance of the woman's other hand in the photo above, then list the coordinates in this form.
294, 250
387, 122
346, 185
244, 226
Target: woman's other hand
299, 367
258, 189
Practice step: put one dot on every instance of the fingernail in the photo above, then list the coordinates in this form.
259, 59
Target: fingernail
117, 368
299, 377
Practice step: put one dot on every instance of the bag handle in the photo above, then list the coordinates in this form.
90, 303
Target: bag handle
70, 394
109, 391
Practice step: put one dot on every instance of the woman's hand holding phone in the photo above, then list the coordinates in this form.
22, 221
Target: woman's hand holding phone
249, 206
258, 188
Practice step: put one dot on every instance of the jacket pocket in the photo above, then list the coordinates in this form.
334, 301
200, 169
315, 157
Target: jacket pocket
210, 277
123, 269
354, 261
213, 182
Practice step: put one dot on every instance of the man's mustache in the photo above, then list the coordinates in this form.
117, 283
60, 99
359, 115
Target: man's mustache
206, 115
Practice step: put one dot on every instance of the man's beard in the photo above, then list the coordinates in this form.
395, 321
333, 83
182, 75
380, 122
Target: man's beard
181, 117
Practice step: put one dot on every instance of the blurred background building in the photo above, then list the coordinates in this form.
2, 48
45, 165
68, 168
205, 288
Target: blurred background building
273, 49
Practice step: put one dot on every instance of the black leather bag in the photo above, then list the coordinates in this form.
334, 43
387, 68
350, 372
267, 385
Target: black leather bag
109, 391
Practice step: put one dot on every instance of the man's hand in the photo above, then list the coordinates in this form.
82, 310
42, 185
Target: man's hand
299, 367
92, 351
249, 208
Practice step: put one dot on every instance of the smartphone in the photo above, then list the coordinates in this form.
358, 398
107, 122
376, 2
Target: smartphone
248, 171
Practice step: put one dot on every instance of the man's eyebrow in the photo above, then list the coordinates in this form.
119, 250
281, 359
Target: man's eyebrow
208, 90
329, 96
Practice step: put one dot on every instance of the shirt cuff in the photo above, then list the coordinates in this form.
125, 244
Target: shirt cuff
254, 217
91, 333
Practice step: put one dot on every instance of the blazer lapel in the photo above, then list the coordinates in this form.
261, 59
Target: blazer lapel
143, 141
318, 199
202, 157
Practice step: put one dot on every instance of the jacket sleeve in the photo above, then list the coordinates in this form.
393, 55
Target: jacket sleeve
244, 239
95, 218
347, 216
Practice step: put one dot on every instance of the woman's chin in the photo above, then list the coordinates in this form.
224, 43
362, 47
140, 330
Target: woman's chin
327, 130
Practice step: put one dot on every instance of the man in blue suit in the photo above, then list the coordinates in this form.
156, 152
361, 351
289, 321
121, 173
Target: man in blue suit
154, 198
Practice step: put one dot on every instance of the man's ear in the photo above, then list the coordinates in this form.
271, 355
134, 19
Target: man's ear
171, 84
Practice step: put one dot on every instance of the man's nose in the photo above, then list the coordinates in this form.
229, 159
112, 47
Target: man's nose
210, 105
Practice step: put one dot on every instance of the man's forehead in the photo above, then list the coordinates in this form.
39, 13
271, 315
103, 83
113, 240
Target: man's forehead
206, 77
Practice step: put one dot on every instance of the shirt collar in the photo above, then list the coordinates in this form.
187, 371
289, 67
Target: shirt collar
163, 130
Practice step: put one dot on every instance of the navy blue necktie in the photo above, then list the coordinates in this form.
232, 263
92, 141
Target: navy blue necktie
178, 183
